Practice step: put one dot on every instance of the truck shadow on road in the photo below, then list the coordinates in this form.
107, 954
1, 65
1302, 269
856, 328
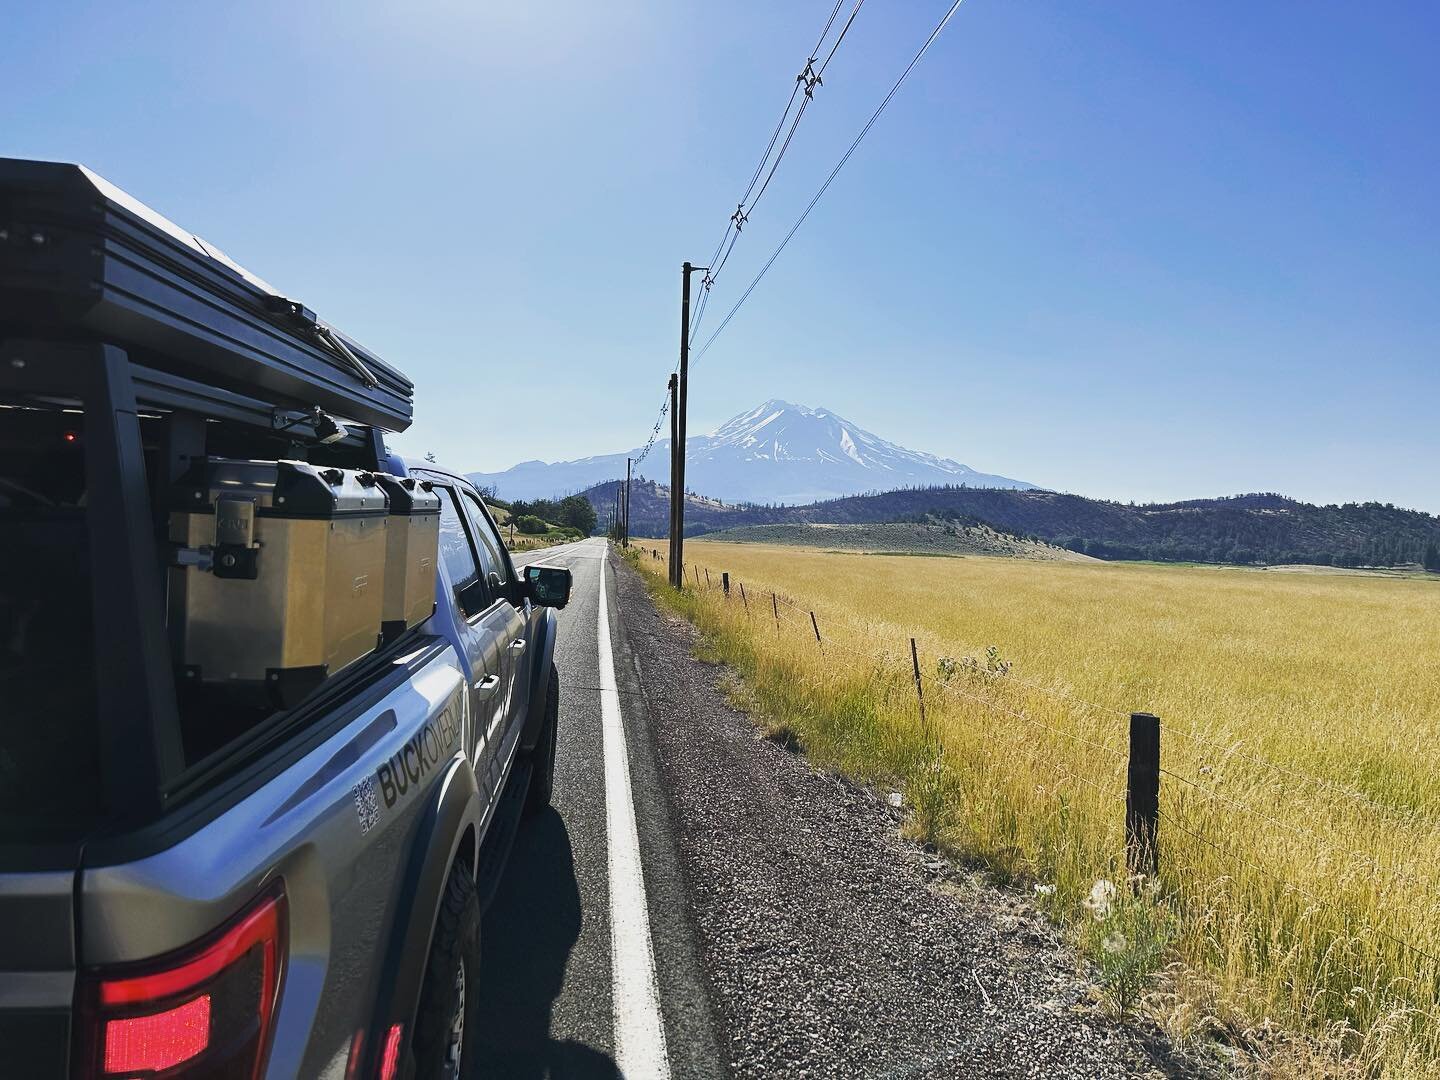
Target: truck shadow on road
530, 928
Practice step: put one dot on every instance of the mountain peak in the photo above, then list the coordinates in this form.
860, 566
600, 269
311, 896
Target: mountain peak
779, 452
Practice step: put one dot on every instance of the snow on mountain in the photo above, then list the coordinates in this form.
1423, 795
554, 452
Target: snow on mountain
777, 452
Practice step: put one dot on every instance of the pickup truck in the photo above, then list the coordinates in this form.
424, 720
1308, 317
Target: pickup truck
289, 891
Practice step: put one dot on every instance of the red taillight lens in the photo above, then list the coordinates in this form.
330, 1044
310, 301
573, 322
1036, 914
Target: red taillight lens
390, 1060
158, 1041
204, 1013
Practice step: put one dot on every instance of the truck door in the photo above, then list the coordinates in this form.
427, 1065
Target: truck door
509, 618
483, 628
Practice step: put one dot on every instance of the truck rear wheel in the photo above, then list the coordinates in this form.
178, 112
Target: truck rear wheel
447, 1024
542, 775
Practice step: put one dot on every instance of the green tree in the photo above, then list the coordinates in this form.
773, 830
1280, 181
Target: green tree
576, 512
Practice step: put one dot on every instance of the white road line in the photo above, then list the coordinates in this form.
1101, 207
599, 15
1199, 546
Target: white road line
639, 1032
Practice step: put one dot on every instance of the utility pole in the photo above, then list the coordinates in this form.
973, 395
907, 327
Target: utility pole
674, 503
625, 516
677, 444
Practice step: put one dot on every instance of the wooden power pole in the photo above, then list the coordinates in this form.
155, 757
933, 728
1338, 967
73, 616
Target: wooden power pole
677, 446
625, 512
674, 501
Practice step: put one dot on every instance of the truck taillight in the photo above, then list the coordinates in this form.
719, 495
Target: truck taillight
205, 1012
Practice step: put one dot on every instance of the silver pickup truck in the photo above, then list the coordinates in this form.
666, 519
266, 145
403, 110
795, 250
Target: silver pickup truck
191, 886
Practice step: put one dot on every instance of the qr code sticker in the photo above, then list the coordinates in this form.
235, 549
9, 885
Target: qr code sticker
367, 807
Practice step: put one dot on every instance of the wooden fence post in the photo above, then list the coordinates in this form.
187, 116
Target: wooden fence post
744, 599
816, 625
919, 691
707, 577
1142, 796
775, 607
725, 582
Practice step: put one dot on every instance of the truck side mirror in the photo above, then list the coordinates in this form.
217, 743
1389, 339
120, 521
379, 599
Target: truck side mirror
548, 586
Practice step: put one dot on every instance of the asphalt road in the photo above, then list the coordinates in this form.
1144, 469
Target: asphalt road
550, 976
700, 903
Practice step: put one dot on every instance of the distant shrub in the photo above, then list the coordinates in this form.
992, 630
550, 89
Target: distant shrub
529, 523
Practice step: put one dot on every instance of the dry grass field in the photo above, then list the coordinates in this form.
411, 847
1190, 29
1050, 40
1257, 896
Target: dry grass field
1297, 911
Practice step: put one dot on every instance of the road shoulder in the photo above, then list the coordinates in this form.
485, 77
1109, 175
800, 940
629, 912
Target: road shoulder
832, 946
694, 1039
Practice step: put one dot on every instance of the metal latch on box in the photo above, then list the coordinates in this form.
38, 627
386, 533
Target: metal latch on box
235, 551
235, 546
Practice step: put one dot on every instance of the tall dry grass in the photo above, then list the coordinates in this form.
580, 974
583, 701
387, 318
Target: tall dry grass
1300, 829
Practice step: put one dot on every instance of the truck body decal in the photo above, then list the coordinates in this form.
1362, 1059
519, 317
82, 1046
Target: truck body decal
421, 753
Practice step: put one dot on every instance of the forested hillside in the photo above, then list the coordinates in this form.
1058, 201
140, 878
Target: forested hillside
1259, 528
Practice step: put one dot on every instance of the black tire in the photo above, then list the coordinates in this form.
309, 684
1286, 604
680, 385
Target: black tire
451, 990
542, 758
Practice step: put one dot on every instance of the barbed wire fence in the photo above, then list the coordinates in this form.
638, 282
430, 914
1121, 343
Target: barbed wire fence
1190, 801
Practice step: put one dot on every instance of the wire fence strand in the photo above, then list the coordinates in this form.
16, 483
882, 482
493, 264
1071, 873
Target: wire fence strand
1067, 697
791, 614
1208, 793
1285, 882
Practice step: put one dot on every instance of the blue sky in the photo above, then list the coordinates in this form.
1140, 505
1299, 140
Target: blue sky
1135, 249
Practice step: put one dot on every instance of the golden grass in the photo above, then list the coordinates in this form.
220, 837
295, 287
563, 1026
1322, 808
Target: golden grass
1300, 830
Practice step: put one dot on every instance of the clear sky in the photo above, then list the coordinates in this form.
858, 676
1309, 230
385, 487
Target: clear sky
1135, 249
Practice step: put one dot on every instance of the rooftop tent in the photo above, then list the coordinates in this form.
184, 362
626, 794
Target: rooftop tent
79, 258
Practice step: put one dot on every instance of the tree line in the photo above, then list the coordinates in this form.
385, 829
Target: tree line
573, 511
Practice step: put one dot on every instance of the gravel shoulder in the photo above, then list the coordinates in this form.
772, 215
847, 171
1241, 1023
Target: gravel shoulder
834, 948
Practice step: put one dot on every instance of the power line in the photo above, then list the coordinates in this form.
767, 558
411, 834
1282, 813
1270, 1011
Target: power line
794, 92
843, 31
829, 180
655, 432
807, 80
789, 135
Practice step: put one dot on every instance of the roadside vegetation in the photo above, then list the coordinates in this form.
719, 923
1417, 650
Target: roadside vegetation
539, 534
526, 532
572, 512
1294, 924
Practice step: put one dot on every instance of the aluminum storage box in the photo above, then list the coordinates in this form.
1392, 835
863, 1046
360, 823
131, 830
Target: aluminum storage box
80, 257
412, 544
282, 580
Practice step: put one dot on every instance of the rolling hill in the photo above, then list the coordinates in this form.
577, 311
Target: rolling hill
1246, 529
900, 538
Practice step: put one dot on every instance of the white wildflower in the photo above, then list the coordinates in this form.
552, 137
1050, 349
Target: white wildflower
1044, 890
1101, 899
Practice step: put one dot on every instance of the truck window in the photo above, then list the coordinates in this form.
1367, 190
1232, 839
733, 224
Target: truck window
456, 550
49, 742
490, 546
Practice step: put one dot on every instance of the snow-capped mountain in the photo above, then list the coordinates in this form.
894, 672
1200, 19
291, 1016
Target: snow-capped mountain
775, 453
